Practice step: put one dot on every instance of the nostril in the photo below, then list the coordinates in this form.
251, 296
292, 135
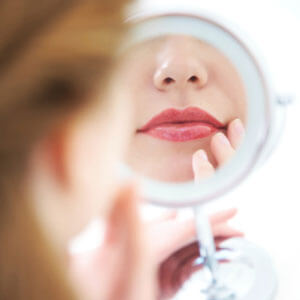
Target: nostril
193, 79
169, 80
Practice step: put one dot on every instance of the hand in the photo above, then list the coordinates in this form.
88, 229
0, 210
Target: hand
122, 267
175, 248
222, 148
169, 234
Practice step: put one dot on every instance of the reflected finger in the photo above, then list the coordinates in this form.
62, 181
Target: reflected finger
221, 148
236, 133
201, 166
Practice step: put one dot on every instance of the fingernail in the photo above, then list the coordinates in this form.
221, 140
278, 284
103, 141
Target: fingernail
202, 154
238, 127
222, 138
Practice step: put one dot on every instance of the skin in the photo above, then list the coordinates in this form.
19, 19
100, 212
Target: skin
72, 179
223, 149
87, 267
217, 89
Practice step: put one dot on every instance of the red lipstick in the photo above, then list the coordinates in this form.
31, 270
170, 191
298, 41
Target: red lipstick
182, 125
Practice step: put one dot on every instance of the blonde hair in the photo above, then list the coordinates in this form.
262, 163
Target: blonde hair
54, 54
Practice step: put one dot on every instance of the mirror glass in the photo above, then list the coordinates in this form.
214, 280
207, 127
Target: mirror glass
188, 96
201, 107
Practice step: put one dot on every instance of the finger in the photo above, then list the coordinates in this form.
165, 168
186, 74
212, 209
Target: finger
124, 210
201, 166
135, 268
236, 133
221, 148
224, 230
177, 233
168, 216
120, 235
186, 232
222, 216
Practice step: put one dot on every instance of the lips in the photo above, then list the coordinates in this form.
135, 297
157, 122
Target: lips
182, 125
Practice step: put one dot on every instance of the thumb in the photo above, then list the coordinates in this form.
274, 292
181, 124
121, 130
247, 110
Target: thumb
135, 270
201, 166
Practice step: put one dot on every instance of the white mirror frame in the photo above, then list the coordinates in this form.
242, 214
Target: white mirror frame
262, 103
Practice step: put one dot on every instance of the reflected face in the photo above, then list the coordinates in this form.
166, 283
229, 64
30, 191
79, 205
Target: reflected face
184, 92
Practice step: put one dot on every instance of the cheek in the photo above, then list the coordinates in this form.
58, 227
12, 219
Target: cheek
96, 148
91, 172
99, 153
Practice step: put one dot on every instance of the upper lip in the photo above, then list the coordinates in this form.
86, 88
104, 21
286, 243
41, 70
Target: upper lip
175, 116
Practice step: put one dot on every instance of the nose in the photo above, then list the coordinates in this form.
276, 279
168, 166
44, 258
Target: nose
180, 72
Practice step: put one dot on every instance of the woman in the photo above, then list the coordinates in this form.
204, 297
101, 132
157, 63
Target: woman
56, 127
188, 96
58, 119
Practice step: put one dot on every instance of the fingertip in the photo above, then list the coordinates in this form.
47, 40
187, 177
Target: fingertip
199, 158
200, 155
236, 132
220, 139
202, 168
238, 126
221, 148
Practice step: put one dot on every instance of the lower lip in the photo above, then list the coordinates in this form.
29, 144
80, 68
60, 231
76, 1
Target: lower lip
181, 132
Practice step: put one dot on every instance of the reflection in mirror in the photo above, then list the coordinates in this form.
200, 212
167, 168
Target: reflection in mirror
189, 100
193, 101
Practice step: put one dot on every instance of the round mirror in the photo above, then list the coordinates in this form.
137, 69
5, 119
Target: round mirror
203, 117
203, 107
